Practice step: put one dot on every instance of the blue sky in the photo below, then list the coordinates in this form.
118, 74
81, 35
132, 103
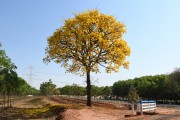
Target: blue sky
153, 33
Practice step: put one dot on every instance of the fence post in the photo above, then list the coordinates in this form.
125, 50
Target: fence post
155, 107
141, 107
132, 107
138, 107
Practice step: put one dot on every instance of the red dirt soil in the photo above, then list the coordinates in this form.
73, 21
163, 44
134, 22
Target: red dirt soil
106, 111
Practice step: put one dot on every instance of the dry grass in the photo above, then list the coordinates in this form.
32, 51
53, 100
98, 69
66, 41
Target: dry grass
32, 108
46, 111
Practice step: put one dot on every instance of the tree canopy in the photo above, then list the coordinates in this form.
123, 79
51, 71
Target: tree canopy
158, 87
86, 41
5, 61
48, 88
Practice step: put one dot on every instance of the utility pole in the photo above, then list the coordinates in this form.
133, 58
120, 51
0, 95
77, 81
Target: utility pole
30, 74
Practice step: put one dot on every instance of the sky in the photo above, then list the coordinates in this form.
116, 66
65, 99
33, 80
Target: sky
153, 33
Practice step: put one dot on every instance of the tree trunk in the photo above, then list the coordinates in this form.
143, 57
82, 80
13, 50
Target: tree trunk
4, 100
88, 89
8, 102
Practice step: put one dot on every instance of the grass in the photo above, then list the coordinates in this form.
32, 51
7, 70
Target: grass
46, 111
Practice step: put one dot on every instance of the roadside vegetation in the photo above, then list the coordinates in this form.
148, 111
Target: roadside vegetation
10, 84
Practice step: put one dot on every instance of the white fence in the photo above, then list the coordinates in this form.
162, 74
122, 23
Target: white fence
146, 105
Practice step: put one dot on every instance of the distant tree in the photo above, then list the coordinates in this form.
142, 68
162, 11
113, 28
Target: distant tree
158, 88
77, 90
153, 87
86, 41
22, 89
48, 88
107, 91
145, 86
73, 90
173, 85
33, 91
121, 88
175, 76
96, 91
66, 90
56, 92
25, 89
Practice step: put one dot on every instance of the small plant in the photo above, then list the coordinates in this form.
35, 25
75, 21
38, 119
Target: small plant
132, 94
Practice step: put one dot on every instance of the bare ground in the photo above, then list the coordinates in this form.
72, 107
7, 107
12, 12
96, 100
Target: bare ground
95, 113
106, 111
77, 110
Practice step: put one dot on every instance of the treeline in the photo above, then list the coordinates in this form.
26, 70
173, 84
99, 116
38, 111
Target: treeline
10, 83
48, 88
76, 90
163, 88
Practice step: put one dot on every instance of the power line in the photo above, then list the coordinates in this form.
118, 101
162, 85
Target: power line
30, 74
60, 75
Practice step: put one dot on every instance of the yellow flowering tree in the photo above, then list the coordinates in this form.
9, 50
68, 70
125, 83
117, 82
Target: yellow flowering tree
87, 41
